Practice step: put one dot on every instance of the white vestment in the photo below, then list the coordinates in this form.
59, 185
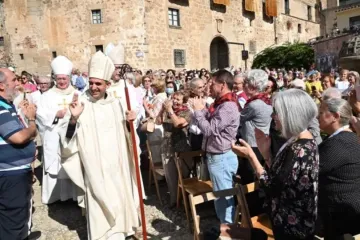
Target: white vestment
117, 91
99, 160
56, 185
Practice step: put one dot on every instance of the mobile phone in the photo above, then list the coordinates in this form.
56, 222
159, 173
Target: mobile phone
313, 88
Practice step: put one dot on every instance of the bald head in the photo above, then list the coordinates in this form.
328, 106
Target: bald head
8, 83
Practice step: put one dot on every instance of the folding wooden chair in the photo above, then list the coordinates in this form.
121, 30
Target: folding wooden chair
193, 186
155, 169
262, 221
242, 208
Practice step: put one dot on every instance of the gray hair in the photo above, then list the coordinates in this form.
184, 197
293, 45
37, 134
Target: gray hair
331, 93
130, 76
356, 75
295, 110
2, 77
240, 75
43, 79
342, 107
257, 79
193, 82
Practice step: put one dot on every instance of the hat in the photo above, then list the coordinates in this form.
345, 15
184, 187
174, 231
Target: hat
101, 67
61, 65
116, 54
297, 83
109, 48
11, 69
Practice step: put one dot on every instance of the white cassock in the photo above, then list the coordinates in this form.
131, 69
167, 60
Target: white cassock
99, 160
117, 91
56, 185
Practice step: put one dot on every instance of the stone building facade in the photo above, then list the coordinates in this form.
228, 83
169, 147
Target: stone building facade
156, 33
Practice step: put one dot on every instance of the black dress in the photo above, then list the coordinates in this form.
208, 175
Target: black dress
339, 184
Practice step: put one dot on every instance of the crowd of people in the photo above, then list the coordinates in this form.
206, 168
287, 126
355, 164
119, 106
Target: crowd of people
295, 132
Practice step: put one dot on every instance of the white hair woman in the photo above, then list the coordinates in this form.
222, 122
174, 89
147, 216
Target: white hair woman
339, 178
353, 78
255, 114
290, 178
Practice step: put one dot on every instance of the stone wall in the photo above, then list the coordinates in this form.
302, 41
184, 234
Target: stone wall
39, 28
199, 26
327, 52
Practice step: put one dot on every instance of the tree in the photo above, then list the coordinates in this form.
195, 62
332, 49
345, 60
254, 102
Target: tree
296, 55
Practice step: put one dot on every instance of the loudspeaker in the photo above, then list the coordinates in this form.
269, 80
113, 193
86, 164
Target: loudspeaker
245, 54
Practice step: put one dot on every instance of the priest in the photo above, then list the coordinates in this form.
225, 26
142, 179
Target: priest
117, 88
53, 117
99, 157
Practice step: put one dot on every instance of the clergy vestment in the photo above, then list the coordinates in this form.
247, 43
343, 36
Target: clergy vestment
117, 91
56, 185
100, 162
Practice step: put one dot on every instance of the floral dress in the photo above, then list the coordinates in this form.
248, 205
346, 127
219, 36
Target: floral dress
291, 188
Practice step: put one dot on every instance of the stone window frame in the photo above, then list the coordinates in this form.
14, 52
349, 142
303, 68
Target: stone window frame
2, 41
171, 19
96, 16
299, 28
287, 7
182, 62
309, 13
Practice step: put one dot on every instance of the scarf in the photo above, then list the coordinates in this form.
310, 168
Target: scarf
229, 97
261, 96
180, 109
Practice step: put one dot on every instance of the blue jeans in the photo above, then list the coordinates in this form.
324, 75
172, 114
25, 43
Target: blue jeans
222, 168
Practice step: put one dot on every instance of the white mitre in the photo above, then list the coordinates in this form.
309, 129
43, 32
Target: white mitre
109, 48
61, 65
117, 54
101, 67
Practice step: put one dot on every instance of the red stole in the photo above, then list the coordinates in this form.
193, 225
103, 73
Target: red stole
229, 97
261, 96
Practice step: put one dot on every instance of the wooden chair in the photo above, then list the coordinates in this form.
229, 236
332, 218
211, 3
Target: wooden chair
242, 208
193, 186
262, 221
155, 169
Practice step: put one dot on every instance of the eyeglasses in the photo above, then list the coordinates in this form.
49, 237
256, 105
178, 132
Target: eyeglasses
23, 78
147, 80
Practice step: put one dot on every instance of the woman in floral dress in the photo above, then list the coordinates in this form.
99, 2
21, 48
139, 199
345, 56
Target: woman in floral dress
289, 179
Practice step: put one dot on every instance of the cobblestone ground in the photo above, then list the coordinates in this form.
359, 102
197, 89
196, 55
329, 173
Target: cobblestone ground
64, 221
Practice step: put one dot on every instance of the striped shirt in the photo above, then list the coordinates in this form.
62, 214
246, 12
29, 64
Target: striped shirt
14, 159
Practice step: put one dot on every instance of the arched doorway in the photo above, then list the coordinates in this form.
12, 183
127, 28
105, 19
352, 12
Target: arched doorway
219, 53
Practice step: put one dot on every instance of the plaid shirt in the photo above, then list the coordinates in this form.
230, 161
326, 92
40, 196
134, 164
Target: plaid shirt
220, 128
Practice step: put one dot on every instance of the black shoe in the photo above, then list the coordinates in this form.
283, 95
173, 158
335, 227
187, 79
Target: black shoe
34, 235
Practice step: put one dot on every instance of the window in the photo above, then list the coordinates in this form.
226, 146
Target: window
354, 21
287, 7
2, 43
179, 58
266, 18
174, 17
309, 13
347, 2
21, 56
99, 48
299, 28
96, 16
54, 54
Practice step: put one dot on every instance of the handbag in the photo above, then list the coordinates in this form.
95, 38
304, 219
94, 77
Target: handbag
203, 171
148, 125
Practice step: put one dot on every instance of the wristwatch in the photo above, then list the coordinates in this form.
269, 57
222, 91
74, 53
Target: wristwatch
31, 120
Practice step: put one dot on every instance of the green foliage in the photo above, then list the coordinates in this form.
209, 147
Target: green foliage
287, 56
